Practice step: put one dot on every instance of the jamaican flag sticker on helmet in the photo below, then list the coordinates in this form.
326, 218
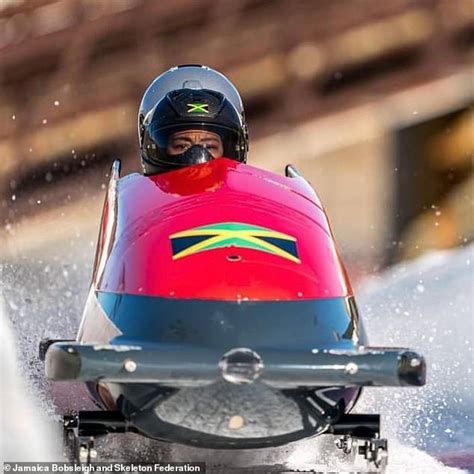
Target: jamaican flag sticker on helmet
233, 234
196, 108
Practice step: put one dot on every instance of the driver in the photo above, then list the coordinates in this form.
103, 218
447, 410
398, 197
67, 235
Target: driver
190, 115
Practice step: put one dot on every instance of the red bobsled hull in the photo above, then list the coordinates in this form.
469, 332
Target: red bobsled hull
221, 230
217, 290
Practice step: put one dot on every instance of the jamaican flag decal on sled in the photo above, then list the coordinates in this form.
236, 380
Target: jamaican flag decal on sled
233, 234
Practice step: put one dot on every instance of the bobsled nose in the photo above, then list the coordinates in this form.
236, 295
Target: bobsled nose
241, 366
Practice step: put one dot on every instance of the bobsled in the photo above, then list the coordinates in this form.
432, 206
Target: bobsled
220, 315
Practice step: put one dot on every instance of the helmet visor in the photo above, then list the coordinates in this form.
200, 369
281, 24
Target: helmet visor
167, 144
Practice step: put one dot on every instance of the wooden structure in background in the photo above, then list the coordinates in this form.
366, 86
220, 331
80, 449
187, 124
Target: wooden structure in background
72, 73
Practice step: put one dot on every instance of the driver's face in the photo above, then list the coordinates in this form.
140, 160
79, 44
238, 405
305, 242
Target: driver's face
179, 142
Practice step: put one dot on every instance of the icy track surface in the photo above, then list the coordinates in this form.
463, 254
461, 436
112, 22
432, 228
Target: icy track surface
26, 433
426, 305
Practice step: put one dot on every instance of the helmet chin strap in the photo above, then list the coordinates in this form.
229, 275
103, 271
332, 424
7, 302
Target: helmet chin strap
194, 155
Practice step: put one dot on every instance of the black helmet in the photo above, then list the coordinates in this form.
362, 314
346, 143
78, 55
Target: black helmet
194, 111
177, 104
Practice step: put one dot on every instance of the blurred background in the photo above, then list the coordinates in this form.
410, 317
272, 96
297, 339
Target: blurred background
372, 101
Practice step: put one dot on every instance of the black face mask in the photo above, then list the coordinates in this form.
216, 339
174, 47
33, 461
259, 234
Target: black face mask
194, 155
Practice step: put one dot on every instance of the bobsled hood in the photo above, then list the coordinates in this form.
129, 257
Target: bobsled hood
221, 230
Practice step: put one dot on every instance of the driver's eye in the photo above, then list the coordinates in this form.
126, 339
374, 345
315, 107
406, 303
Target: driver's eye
180, 146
